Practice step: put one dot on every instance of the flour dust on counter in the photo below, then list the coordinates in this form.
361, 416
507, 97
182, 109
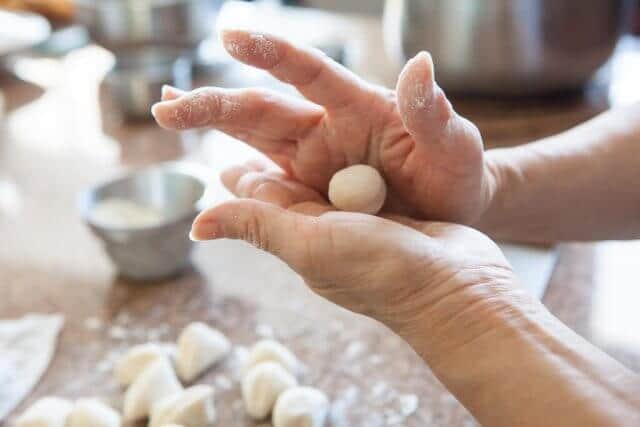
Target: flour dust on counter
368, 376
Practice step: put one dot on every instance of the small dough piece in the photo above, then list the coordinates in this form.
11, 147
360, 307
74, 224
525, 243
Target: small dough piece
199, 348
262, 385
301, 407
93, 413
358, 188
46, 412
135, 360
162, 408
272, 351
193, 407
157, 381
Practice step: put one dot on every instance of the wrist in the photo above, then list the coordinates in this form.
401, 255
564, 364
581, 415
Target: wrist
464, 322
503, 174
499, 347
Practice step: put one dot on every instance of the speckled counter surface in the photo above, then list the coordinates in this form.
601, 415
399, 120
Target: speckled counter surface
53, 146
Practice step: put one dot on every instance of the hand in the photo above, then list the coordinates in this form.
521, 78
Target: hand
431, 158
408, 274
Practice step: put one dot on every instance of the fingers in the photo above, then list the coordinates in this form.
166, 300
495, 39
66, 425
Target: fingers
170, 93
316, 76
265, 119
271, 228
260, 181
424, 108
447, 139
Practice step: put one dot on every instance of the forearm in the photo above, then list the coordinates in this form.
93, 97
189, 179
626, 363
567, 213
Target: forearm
511, 363
580, 185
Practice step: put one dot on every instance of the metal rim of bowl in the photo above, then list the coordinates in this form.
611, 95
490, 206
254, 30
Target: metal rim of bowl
192, 170
169, 62
154, 3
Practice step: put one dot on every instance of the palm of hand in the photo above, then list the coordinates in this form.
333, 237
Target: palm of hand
431, 158
390, 268
443, 179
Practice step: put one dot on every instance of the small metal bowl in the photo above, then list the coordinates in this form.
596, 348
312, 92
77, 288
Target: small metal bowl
145, 253
139, 74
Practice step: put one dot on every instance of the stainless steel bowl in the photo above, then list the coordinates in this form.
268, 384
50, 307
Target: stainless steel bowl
507, 46
174, 22
139, 74
160, 250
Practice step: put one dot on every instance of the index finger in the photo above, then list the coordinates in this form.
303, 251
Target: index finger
315, 75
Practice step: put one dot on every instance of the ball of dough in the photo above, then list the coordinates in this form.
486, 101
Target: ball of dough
157, 381
262, 385
193, 407
46, 412
271, 351
301, 407
93, 413
358, 188
199, 348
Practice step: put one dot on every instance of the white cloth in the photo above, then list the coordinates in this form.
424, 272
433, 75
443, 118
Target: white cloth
26, 348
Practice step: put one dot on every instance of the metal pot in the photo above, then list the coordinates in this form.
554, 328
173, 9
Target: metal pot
139, 74
176, 22
507, 46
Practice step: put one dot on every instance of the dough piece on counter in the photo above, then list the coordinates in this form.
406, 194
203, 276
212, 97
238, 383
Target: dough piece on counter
135, 360
193, 407
157, 381
199, 348
272, 351
262, 385
27, 346
46, 412
358, 188
301, 407
171, 425
93, 413
161, 409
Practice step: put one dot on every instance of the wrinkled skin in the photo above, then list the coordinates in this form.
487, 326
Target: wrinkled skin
394, 268
431, 158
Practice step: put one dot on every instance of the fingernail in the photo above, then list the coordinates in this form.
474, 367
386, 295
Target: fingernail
193, 237
203, 231
229, 30
168, 90
154, 109
428, 59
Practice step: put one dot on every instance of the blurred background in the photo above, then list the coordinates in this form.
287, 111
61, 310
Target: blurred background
513, 54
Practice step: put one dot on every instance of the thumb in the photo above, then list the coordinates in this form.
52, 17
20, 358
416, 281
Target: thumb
276, 230
169, 93
423, 106
428, 115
